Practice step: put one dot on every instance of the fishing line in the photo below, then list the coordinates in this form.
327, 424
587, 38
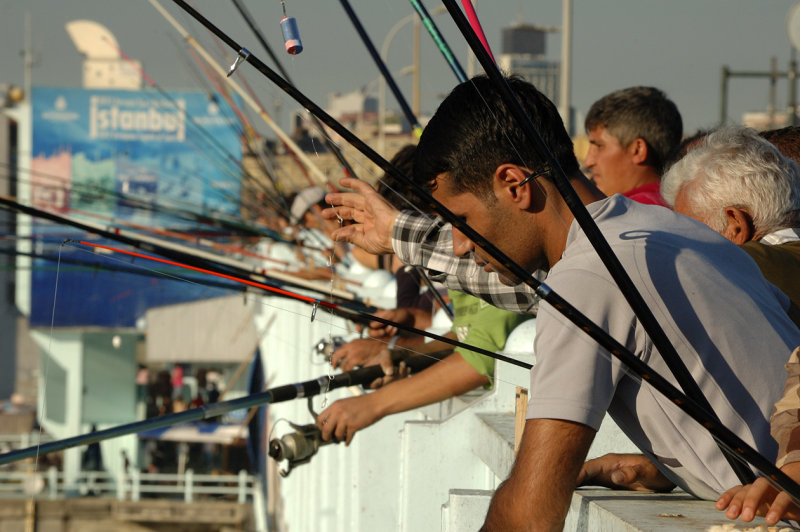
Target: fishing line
248, 18
323, 180
265, 302
330, 296
43, 406
169, 249
221, 150
144, 203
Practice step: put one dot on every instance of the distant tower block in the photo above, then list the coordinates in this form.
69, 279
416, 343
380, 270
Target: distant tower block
523, 53
103, 65
523, 39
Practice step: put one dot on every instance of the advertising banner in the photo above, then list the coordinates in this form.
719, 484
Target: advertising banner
130, 159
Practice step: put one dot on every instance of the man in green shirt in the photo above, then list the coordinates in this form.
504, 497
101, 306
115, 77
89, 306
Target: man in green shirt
476, 323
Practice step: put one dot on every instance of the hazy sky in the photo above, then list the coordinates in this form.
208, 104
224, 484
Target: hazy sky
679, 46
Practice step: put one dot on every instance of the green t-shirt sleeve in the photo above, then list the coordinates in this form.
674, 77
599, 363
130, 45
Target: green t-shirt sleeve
489, 330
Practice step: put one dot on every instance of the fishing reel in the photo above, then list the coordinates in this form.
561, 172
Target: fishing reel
299, 446
326, 346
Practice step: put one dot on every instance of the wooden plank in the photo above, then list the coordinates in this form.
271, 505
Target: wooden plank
520, 411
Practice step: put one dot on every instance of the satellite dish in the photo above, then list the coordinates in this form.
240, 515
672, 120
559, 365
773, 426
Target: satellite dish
93, 40
793, 25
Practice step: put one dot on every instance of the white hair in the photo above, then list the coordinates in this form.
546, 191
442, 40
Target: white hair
735, 167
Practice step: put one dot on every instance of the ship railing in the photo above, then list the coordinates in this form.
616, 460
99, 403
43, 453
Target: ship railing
133, 486
23, 440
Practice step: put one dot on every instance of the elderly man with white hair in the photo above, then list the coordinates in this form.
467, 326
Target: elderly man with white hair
741, 186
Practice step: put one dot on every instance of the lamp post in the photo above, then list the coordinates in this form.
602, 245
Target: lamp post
382, 82
565, 87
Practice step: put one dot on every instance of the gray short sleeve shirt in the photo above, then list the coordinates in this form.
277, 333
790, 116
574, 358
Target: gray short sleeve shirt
727, 323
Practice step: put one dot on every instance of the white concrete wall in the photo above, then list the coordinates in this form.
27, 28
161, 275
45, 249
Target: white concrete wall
399, 473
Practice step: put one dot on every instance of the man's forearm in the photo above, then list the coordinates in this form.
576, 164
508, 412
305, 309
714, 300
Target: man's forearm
784, 426
537, 494
450, 377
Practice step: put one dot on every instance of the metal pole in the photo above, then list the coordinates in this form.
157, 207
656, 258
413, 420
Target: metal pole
415, 104
565, 90
723, 97
382, 82
793, 88
773, 81
470, 53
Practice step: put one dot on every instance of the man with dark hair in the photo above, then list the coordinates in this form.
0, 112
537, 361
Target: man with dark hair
787, 140
707, 299
632, 132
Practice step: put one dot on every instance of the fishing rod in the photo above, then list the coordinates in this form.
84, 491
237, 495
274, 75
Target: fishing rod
438, 38
321, 178
226, 155
722, 434
589, 227
248, 18
259, 151
300, 446
475, 26
249, 135
400, 98
151, 205
191, 256
278, 394
85, 265
382, 67
215, 219
352, 311
203, 240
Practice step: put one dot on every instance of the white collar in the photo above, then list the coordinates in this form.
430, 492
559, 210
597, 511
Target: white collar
782, 236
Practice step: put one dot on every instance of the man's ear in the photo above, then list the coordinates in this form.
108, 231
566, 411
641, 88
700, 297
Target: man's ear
507, 179
638, 151
738, 225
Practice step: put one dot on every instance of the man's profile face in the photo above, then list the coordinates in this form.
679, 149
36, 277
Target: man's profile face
493, 222
609, 162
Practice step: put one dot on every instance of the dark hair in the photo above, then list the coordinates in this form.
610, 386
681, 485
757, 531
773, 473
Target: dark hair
389, 186
640, 112
787, 140
473, 132
686, 145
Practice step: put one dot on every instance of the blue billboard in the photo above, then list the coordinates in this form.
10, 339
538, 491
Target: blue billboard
128, 159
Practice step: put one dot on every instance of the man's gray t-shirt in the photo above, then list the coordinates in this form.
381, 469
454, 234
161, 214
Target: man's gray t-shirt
727, 323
